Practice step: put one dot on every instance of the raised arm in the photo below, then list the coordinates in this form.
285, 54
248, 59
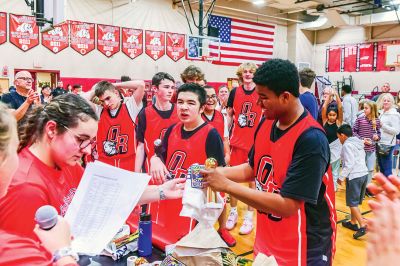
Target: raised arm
324, 108
340, 108
136, 86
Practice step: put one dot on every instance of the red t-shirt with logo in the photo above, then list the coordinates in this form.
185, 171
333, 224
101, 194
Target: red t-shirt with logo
116, 144
247, 115
35, 184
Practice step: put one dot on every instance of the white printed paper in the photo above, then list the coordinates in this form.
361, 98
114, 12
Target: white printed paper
103, 201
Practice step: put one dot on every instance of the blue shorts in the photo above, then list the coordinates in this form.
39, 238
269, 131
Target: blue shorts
355, 190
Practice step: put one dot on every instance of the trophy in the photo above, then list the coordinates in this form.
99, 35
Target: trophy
211, 163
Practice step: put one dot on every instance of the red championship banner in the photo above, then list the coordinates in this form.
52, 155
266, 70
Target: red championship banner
23, 32
350, 57
155, 44
132, 42
3, 27
108, 39
366, 57
82, 37
334, 59
175, 46
56, 39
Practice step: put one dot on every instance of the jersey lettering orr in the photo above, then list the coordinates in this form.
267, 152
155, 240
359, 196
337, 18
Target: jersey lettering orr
116, 143
247, 117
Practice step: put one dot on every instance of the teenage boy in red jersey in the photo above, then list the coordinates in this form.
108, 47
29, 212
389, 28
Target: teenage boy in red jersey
295, 198
154, 120
190, 141
116, 140
244, 114
218, 121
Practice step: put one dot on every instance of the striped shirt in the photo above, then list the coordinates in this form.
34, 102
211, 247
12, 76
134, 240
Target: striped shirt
363, 129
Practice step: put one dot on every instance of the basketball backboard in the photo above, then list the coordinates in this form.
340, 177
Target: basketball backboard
203, 48
393, 55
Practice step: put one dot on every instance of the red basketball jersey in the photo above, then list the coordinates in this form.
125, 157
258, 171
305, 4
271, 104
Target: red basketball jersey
285, 238
217, 121
156, 126
247, 115
116, 144
169, 227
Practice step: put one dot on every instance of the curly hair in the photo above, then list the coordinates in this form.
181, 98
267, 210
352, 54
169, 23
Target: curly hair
245, 66
192, 73
279, 76
66, 110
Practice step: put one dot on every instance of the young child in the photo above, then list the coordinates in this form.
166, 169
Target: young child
367, 128
355, 171
332, 118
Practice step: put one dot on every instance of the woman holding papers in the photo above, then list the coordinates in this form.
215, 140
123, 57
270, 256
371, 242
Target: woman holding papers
55, 137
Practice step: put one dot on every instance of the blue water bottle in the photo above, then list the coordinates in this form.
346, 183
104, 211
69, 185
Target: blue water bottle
145, 235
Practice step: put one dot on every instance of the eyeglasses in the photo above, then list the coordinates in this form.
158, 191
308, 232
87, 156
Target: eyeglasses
83, 143
211, 97
26, 78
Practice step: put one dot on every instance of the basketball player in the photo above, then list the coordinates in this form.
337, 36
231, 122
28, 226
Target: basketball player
190, 141
154, 120
295, 200
244, 115
116, 144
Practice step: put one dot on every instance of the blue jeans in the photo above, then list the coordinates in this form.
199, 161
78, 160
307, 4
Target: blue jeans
386, 162
370, 158
397, 147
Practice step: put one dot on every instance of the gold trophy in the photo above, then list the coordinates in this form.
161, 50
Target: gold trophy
211, 163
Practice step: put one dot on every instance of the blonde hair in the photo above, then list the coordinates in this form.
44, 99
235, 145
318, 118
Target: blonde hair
245, 66
8, 128
382, 97
374, 111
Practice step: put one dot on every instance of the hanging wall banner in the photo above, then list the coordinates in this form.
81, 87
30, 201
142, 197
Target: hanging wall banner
56, 39
334, 59
175, 46
3, 27
366, 57
381, 57
23, 32
132, 42
82, 37
108, 39
350, 57
155, 44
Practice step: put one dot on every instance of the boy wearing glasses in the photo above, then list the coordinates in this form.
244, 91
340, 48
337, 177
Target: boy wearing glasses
116, 140
20, 101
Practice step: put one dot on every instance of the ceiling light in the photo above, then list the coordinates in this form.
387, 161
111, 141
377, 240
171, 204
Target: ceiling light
259, 2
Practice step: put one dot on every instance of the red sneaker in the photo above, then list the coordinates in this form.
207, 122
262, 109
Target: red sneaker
227, 237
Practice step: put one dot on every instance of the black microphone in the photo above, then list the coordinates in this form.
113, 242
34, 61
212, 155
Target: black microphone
46, 217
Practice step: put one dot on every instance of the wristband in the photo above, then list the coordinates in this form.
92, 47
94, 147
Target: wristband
64, 252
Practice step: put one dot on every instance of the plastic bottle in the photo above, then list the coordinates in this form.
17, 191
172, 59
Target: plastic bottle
145, 235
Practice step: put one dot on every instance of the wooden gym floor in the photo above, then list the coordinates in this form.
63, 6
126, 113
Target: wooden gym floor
348, 250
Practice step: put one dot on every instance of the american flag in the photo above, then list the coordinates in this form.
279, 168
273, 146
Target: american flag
242, 41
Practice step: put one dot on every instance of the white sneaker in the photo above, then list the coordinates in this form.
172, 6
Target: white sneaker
232, 220
247, 226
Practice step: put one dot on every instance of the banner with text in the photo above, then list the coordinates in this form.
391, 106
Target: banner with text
3, 27
132, 42
155, 44
56, 39
82, 36
108, 39
175, 46
23, 32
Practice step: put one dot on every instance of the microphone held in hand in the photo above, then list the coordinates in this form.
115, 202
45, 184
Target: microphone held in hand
46, 217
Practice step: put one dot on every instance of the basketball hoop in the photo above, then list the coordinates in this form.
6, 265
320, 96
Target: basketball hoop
208, 59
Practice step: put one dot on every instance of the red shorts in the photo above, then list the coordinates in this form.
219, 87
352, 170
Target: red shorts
238, 156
